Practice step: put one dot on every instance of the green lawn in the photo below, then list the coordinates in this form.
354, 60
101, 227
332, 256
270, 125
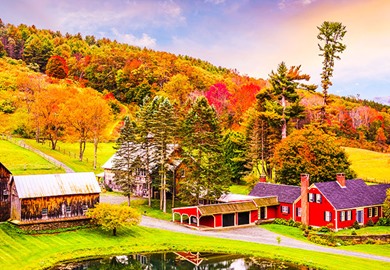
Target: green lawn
369, 165
366, 230
21, 161
21, 251
68, 153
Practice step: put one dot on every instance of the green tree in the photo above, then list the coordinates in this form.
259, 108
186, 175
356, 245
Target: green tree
111, 217
331, 34
234, 145
283, 104
164, 129
2, 50
38, 49
310, 151
126, 162
208, 177
144, 119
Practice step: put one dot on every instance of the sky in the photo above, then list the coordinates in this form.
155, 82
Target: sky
250, 36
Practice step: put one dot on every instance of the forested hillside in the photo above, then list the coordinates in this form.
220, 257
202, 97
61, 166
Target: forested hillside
60, 86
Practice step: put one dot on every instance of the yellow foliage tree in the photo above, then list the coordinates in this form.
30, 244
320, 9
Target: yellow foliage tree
112, 217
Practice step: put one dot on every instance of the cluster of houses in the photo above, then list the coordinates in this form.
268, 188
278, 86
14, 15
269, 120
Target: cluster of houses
337, 204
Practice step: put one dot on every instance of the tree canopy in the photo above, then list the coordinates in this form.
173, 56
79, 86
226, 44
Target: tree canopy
310, 151
111, 217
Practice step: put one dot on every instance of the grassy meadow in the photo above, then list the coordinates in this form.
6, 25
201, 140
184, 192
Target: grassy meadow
369, 165
68, 153
21, 161
22, 251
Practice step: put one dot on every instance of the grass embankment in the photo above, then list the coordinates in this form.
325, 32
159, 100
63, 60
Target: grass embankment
369, 165
21, 161
21, 251
68, 153
296, 233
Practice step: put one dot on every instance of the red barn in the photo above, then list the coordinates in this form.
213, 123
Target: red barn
5, 198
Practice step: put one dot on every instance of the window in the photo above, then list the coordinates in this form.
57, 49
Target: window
68, 209
376, 211
311, 197
285, 209
318, 198
44, 213
85, 208
342, 216
299, 211
182, 173
328, 216
370, 212
349, 215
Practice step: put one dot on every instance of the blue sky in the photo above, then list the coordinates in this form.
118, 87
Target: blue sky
250, 36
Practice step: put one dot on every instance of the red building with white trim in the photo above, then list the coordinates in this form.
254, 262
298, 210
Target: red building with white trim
337, 204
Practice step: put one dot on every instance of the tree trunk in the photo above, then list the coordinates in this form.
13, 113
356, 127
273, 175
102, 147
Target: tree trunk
284, 121
82, 149
164, 193
128, 200
95, 144
114, 232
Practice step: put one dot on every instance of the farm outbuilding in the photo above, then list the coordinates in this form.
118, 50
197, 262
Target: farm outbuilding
223, 215
53, 196
5, 199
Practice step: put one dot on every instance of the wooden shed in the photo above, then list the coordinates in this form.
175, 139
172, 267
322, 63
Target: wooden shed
53, 196
5, 199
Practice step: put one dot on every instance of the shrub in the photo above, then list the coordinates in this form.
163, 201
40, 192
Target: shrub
324, 229
356, 225
353, 232
383, 222
370, 223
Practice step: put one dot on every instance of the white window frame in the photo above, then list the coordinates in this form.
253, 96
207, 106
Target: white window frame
318, 198
370, 211
285, 209
376, 211
311, 197
342, 216
328, 216
299, 211
349, 215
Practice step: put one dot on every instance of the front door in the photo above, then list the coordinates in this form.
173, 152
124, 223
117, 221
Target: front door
359, 216
263, 212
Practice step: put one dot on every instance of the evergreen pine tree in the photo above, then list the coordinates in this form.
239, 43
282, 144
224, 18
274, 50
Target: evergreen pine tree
208, 177
125, 161
163, 128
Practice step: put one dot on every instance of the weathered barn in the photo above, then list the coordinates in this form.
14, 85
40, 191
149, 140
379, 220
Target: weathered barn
5, 199
53, 196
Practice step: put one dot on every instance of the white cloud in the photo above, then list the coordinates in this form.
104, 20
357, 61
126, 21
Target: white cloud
144, 41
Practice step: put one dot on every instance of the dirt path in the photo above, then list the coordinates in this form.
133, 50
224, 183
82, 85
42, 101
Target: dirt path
47, 157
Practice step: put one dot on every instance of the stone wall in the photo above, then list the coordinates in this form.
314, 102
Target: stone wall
358, 239
52, 224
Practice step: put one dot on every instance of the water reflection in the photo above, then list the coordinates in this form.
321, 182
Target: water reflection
179, 261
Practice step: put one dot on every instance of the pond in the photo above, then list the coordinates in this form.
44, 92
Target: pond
179, 261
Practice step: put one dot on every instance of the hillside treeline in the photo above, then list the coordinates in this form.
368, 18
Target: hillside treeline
254, 114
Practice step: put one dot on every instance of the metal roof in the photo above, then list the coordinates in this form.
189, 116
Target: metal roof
140, 152
46, 185
224, 208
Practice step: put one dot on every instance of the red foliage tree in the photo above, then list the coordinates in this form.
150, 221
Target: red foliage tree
56, 67
219, 97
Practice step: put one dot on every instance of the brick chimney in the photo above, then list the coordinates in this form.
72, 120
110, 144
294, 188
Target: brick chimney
340, 177
262, 178
304, 199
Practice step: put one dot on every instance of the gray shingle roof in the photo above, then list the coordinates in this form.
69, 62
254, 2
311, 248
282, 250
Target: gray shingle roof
356, 194
285, 193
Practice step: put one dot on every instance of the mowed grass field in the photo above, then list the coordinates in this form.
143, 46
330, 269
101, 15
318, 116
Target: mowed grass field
369, 165
68, 153
21, 251
21, 161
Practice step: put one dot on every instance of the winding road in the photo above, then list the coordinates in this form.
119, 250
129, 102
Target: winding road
255, 234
